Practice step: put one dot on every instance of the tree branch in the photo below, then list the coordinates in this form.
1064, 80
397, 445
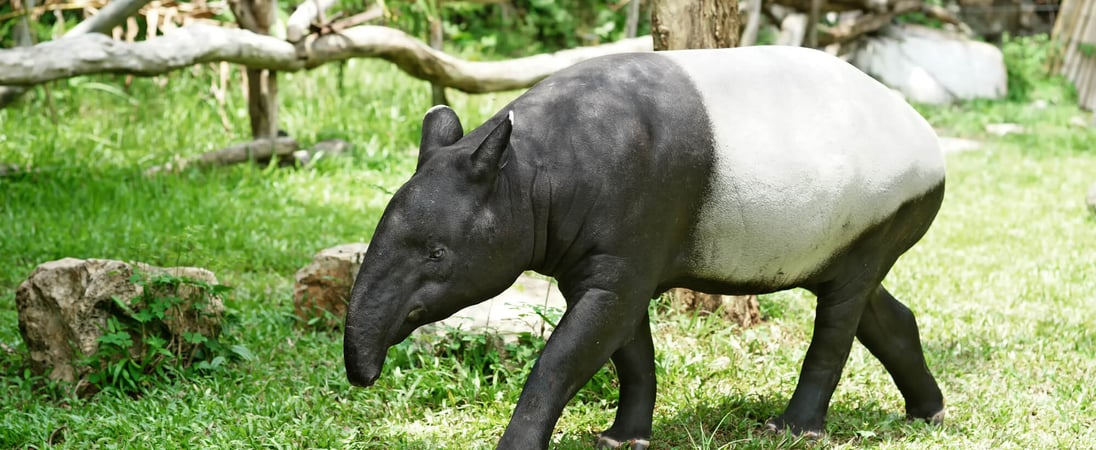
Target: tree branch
866, 23
199, 43
296, 27
110, 16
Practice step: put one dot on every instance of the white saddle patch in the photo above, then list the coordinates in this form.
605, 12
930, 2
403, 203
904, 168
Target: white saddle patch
810, 152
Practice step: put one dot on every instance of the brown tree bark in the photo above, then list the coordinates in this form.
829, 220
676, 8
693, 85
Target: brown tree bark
682, 24
437, 41
685, 24
262, 85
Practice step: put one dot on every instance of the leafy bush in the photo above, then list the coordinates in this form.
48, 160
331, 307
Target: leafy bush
520, 27
1026, 60
138, 349
446, 363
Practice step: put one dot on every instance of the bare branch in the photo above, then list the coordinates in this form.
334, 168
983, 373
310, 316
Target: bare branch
199, 43
110, 16
296, 27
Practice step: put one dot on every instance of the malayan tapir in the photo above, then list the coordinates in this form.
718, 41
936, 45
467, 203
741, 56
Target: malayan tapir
736, 171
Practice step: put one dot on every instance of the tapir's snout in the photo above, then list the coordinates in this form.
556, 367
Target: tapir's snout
362, 378
362, 359
361, 370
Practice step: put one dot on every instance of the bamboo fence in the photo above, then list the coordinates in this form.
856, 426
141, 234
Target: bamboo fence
1075, 31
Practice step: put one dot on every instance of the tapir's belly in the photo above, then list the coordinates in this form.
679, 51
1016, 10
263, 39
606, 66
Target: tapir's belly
809, 153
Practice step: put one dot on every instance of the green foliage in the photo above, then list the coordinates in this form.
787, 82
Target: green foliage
137, 348
517, 28
1002, 286
1026, 64
1087, 49
505, 29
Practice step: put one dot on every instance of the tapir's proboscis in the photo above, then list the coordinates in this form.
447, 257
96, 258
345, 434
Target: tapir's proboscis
735, 171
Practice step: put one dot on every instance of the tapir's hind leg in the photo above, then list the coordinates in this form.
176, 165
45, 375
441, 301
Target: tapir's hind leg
889, 330
635, 365
836, 318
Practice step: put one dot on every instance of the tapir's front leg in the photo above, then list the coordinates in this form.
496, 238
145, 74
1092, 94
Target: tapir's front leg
635, 366
594, 327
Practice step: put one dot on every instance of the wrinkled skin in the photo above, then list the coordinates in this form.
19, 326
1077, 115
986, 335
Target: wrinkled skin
608, 208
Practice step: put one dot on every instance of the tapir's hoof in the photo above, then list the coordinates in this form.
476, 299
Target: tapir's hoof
778, 426
604, 442
933, 419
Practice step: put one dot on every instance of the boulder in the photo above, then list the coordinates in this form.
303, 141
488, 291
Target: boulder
957, 145
933, 66
323, 287
523, 307
64, 305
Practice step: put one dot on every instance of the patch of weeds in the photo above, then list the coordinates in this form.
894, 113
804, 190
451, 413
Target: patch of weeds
457, 367
140, 347
1026, 64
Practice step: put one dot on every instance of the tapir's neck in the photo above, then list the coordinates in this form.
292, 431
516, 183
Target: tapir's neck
549, 208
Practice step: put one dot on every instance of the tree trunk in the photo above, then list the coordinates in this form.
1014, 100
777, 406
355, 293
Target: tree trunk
262, 85
22, 36
437, 41
684, 24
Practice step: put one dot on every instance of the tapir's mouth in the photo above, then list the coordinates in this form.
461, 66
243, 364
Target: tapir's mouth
362, 379
362, 357
362, 372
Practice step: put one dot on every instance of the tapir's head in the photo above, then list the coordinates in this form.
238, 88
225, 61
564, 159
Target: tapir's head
450, 237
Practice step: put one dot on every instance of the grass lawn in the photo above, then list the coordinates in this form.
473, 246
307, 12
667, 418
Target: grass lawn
1004, 285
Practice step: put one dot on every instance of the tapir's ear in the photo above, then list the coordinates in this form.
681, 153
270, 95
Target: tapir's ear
440, 127
492, 153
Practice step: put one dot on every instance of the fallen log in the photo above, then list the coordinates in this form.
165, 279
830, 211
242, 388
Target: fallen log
259, 150
200, 43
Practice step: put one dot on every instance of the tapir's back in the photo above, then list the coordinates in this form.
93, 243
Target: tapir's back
809, 152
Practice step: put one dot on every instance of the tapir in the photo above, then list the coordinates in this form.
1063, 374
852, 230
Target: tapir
733, 171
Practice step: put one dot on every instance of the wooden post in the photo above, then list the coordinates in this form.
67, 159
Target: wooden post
436, 41
262, 85
684, 24
631, 26
812, 23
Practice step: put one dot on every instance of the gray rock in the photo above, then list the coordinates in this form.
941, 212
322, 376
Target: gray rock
957, 145
64, 305
933, 66
1005, 129
323, 286
514, 311
322, 289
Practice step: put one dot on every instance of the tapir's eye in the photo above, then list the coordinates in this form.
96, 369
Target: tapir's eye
437, 253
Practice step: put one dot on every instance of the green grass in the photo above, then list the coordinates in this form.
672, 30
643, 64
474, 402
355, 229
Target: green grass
1004, 286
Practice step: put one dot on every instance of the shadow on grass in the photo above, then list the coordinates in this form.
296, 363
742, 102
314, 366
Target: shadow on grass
738, 422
